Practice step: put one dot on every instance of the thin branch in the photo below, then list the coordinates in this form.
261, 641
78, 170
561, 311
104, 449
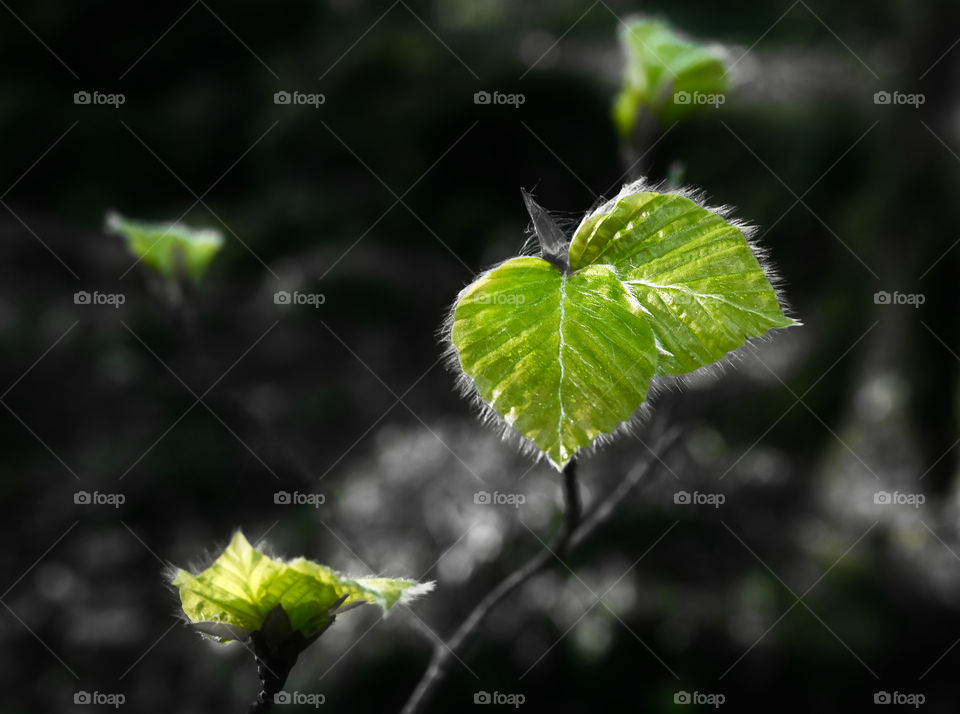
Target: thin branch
574, 532
605, 509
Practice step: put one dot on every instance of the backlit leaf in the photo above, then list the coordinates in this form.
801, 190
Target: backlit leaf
237, 592
651, 284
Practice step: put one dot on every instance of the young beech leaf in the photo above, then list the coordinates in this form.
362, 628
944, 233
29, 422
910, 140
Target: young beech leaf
172, 249
655, 285
659, 65
235, 596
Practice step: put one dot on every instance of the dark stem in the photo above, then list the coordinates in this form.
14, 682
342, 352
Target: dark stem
573, 505
637, 152
573, 533
605, 509
270, 685
274, 662
272, 678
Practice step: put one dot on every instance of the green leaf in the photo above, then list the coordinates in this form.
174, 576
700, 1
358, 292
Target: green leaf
702, 287
561, 358
657, 285
172, 249
238, 591
658, 65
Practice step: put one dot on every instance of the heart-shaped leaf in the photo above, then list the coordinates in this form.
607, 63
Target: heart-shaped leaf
562, 358
563, 348
235, 595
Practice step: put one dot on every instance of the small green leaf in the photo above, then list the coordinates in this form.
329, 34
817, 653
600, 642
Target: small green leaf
658, 65
172, 249
652, 284
243, 585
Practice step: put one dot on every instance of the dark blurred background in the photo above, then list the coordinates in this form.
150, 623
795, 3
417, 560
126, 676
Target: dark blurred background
799, 593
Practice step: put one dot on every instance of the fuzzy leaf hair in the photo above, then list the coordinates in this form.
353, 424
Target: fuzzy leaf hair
467, 388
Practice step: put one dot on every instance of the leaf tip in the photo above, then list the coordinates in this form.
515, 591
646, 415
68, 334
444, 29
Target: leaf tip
418, 590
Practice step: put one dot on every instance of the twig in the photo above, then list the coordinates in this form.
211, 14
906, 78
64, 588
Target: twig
574, 532
605, 509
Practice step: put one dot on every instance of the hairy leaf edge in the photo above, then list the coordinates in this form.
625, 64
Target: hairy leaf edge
467, 388
200, 564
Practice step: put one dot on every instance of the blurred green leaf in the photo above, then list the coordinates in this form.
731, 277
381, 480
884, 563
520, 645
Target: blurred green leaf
172, 249
664, 74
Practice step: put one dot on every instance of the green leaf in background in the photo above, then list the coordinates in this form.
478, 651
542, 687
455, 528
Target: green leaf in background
659, 65
652, 284
235, 595
172, 249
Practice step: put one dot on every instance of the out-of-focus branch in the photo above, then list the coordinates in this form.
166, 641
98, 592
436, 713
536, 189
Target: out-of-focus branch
574, 532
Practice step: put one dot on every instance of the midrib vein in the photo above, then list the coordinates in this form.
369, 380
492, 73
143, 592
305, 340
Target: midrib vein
563, 300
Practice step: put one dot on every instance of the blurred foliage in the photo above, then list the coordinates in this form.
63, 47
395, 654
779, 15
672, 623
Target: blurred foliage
301, 196
172, 249
663, 74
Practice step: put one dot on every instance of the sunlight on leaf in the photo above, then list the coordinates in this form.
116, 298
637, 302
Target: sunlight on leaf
234, 596
657, 285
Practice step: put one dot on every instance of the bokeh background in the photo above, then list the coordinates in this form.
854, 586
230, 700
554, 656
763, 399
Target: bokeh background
799, 593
